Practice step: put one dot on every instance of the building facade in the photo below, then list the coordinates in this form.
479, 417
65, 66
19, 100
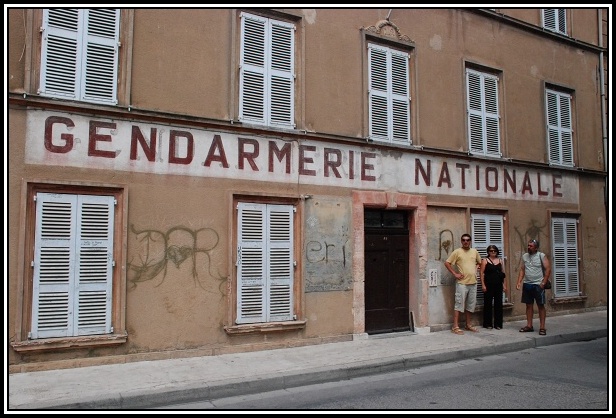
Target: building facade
189, 182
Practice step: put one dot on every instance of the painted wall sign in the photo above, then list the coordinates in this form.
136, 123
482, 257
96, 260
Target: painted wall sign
97, 143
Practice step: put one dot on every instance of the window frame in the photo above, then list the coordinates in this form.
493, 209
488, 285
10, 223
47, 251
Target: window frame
34, 53
388, 95
565, 256
560, 152
269, 73
22, 341
554, 20
296, 320
485, 139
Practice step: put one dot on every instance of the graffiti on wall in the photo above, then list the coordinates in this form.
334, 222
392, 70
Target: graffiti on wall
178, 245
327, 248
445, 240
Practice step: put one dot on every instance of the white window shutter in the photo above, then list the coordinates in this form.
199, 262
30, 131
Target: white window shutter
486, 230
492, 116
280, 262
559, 128
483, 113
94, 264
72, 265
388, 95
267, 78
555, 20
100, 58
379, 114
251, 263
79, 58
61, 48
565, 269
400, 98
281, 74
54, 265
252, 69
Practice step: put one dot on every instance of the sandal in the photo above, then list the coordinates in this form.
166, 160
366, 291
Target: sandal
471, 328
457, 330
527, 329
541, 331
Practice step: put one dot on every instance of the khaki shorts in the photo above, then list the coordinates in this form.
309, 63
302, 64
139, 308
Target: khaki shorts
466, 297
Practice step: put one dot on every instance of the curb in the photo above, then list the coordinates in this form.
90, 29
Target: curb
237, 387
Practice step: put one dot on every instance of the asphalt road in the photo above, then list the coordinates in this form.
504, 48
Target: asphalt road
570, 376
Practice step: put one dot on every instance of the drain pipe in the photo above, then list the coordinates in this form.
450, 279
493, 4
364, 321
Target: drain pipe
603, 117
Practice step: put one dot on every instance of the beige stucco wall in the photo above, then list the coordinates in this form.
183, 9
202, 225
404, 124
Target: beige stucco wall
182, 309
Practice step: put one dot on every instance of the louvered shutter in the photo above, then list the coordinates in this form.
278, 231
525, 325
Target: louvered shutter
79, 57
388, 95
72, 265
281, 80
280, 262
487, 230
266, 71
400, 98
483, 113
264, 263
559, 128
100, 62
251, 263
94, 264
60, 65
555, 20
565, 270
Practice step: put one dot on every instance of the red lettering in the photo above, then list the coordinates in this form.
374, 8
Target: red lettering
148, 149
494, 186
242, 154
556, 185
284, 152
426, 174
216, 153
48, 136
444, 177
328, 163
173, 141
96, 137
509, 180
539, 191
526, 186
303, 160
463, 168
365, 166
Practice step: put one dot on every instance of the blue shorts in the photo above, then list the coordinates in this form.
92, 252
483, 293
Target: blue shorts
533, 293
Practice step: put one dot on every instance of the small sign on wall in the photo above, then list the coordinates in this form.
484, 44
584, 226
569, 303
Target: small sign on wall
433, 277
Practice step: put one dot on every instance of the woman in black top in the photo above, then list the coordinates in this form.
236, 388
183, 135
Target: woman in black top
493, 284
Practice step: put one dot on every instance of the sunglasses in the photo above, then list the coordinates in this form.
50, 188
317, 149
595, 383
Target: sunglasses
492, 251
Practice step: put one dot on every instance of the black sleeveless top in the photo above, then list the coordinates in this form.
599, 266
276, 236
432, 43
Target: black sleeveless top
492, 272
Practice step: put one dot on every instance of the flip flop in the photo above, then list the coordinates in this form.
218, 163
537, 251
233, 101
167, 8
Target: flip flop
471, 328
527, 329
457, 330
542, 331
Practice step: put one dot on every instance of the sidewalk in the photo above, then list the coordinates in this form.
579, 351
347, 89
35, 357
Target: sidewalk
146, 384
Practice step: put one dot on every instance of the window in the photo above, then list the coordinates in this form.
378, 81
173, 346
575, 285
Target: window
72, 271
559, 129
265, 263
483, 113
266, 71
79, 54
74, 284
565, 271
389, 100
554, 20
487, 230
